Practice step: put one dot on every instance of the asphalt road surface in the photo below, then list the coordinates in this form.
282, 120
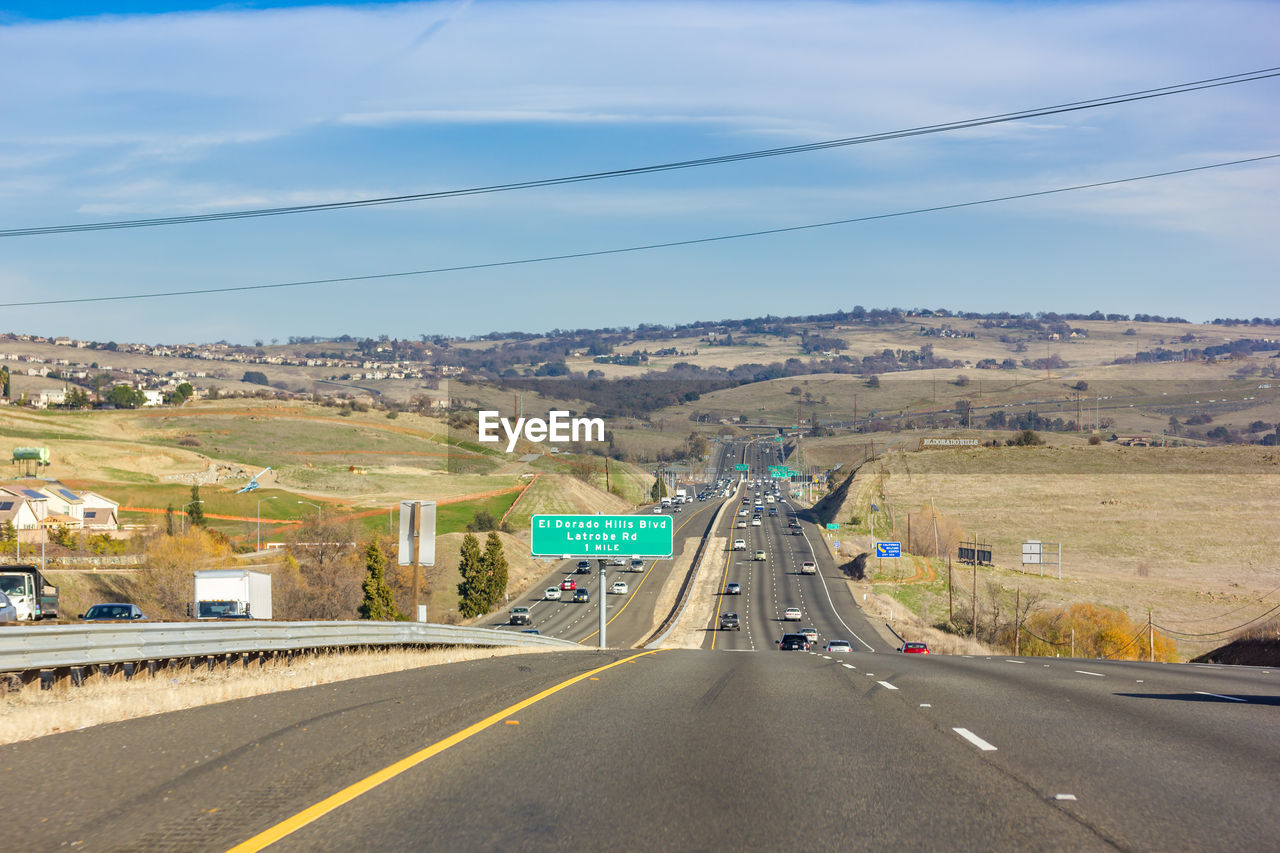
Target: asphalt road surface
681, 750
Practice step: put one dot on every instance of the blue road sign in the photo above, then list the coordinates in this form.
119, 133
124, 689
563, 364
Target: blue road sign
888, 549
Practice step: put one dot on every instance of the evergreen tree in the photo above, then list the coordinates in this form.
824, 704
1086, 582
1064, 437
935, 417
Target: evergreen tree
378, 604
168, 520
195, 511
495, 570
471, 591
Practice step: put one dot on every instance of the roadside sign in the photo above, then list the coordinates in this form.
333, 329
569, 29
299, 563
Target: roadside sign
833, 526
780, 472
778, 439
742, 466
602, 535
417, 533
888, 549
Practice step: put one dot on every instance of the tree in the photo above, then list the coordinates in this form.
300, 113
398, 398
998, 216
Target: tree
1026, 438
255, 377
378, 602
495, 568
483, 520
77, 398
873, 381
659, 490
471, 591
195, 511
124, 397
168, 520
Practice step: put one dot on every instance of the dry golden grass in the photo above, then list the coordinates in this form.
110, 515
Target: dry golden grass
1186, 532
32, 712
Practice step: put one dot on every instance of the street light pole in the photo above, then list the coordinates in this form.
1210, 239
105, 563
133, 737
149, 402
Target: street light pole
319, 511
260, 500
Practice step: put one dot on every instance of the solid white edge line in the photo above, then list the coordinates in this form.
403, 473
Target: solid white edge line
831, 603
1220, 696
974, 739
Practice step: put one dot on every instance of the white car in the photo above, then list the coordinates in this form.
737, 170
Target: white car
618, 588
552, 593
637, 565
739, 544
755, 522
791, 614
808, 567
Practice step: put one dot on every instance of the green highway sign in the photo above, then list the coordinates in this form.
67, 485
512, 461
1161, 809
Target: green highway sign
602, 535
778, 438
780, 471
833, 526
742, 466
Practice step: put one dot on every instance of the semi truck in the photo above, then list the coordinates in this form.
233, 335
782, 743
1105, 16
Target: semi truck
29, 589
232, 594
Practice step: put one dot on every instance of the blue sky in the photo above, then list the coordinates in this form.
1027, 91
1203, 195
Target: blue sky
147, 109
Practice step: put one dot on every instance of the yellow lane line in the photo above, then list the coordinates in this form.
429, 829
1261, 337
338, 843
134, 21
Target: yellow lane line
313, 813
632, 596
715, 629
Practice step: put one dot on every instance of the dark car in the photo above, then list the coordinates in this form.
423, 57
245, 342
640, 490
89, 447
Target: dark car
112, 613
582, 594
793, 643
732, 589
729, 621
584, 567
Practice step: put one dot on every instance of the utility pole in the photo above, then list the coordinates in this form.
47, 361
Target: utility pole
950, 598
973, 625
606, 473
1073, 642
1017, 617
1151, 640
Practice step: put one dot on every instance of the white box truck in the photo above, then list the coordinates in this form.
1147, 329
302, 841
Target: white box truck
232, 594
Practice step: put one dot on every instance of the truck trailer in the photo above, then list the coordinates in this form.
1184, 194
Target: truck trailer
232, 594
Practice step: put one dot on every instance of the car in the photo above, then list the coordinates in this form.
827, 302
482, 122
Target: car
741, 525
793, 643
552, 593
755, 522
521, 616
732, 589
568, 584
729, 621
657, 510
810, 633
839, 647
915, 648
773, 511
743, 513
791, 614
618, 588
808, 567
8, 613
675, 508
112, 613
582, 594
760, 555
584, 567
637, 565
739, 544
617, 561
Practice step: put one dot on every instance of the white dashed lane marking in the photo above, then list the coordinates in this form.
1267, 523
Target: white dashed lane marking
974, 739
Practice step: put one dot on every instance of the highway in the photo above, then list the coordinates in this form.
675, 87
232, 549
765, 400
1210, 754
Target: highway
682, 750
734, 745
631, 618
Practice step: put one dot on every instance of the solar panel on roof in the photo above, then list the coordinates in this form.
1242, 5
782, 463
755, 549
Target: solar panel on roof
32, 493
68, 494
6, 505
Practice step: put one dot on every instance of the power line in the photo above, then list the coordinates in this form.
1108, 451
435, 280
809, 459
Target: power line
627, 249
1223, 632
1075, 106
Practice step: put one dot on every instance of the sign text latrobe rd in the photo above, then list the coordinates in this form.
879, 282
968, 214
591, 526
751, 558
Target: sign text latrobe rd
602, 535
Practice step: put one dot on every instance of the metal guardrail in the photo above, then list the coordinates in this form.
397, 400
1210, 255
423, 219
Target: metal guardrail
33, 648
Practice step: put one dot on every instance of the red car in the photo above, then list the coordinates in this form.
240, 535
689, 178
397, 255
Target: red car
568, 583
915, 648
